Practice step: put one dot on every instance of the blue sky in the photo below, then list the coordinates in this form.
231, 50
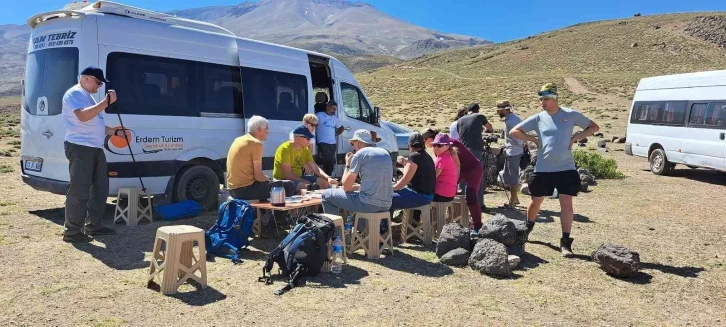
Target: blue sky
494, 20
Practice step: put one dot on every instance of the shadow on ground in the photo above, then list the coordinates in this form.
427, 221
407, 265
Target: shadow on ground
125, 250
544, 216
198, 297
404, 262
700, 175
640, 277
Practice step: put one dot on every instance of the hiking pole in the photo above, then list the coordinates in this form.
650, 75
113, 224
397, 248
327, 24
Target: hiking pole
128, 144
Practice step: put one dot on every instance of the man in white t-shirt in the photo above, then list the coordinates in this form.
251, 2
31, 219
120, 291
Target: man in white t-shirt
329, 127
86, 132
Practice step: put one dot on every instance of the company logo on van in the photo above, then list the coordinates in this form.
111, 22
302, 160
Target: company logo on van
142, 144
134, 13
54, 40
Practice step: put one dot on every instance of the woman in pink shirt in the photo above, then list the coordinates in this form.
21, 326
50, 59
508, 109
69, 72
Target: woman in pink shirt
447, 170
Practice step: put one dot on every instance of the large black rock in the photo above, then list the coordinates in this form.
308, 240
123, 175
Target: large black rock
457, 257
500, 229
452, 236
490, 257
617, 260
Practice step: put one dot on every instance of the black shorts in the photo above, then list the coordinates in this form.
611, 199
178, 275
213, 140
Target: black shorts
543, 184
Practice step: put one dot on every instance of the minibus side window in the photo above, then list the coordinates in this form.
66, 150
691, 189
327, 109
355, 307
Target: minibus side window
274, 95
354, 103
148, 85
220, 89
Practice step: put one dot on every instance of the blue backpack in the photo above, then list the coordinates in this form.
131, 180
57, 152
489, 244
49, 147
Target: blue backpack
232, 230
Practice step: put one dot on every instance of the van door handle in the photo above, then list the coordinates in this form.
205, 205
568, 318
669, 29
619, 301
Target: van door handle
347, 128
723, 136
48, 134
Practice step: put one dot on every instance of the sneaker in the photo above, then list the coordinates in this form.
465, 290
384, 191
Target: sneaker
474, 233
102, 231
566, 247
77, 238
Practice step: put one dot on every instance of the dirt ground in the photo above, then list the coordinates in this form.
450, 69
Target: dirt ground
675, 223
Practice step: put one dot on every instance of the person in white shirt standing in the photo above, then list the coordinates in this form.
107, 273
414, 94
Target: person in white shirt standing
85, 134
513, 150
329, 127
453, 130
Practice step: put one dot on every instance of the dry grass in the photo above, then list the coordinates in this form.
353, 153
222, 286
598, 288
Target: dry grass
597, 55
674, 222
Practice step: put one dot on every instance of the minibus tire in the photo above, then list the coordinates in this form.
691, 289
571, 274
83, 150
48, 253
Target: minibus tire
198, 183
659, 163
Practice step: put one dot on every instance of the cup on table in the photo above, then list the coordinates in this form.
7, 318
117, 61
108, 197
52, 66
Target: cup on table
304, 192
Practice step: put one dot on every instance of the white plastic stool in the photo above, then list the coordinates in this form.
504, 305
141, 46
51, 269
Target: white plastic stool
370, 238
422, 230
177, 262
340, 226
461, 211
441, 209
134, 210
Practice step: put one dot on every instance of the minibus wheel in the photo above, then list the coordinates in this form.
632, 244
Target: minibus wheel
198, 183
659, 163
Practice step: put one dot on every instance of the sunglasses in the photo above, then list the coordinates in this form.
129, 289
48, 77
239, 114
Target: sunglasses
99, 83
313, 125
440, 145
546, 93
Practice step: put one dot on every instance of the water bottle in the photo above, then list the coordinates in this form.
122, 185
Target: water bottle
337, 266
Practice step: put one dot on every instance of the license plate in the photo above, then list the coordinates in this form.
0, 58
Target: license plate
34, 164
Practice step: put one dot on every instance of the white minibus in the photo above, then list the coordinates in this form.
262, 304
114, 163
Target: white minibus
679, 119
185, 90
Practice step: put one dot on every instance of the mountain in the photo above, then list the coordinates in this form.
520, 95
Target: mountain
596, 65
355, 32
329, 26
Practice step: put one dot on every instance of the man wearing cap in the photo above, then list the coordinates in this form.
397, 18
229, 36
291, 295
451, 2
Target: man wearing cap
416, 187
555, 166
470, 128
86, 132
292, 158
375, 191
513, 150
329, 126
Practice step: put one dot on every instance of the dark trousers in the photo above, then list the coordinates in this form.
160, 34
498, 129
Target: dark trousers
326, 157
256, 191
88, 192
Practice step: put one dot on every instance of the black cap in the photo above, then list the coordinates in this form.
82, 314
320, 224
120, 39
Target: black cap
474, 107
416, 140
95, 72
332, 103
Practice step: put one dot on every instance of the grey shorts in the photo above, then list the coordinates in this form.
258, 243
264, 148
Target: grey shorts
511, 170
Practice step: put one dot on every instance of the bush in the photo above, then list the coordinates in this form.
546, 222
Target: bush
596, 164
6, 169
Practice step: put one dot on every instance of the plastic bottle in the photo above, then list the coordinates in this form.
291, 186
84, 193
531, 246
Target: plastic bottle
337, 266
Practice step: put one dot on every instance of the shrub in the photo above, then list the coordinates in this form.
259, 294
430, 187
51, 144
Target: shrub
596, 164
6, 169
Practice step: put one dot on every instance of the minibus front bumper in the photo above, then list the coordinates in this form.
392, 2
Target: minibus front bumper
629, 148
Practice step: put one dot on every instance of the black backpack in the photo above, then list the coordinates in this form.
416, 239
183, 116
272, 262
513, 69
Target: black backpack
302, 253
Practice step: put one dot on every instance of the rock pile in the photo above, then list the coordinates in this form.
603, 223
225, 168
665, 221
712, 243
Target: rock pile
586, 179
495, 252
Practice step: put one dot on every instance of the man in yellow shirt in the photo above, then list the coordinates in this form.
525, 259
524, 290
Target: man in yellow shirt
245, 178
294, 158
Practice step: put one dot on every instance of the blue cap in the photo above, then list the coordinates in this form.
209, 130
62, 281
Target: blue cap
303, 131
95, 72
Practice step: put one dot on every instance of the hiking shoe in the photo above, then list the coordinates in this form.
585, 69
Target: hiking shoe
102, 231
566, 247
77, 238
474, 233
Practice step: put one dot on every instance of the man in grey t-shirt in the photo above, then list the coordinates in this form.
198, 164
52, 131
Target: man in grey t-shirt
376, 188
513, 150
555, 167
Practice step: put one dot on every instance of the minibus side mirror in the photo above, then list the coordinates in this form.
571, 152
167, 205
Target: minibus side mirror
376, 115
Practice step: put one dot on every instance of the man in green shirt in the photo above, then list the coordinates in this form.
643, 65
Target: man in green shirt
293, 159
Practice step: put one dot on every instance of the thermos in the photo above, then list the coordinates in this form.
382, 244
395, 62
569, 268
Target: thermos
277, 194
